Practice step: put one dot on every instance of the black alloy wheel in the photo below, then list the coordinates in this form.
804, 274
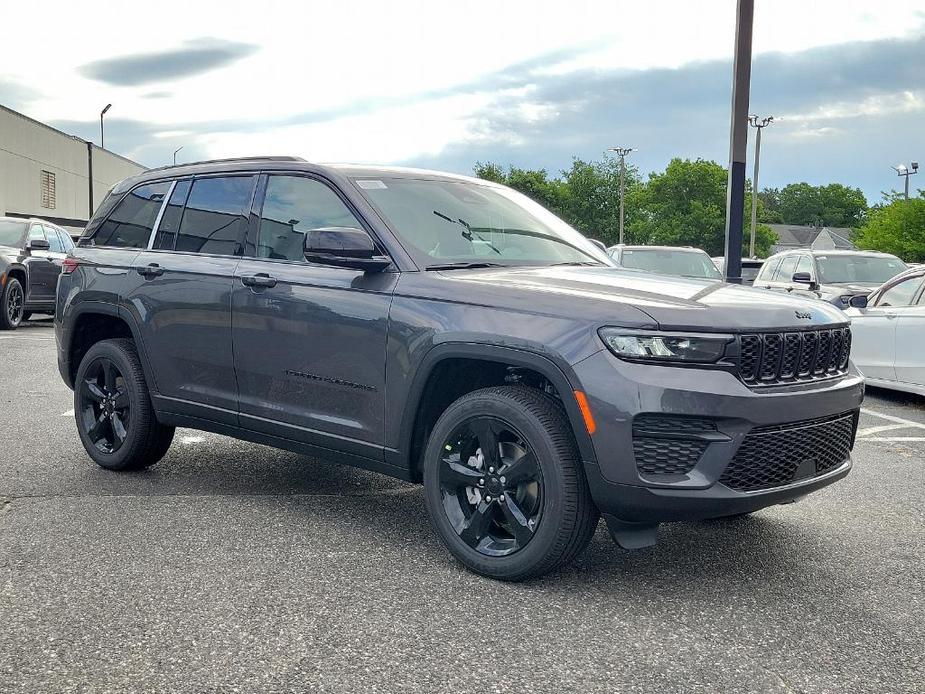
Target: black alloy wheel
504, 483
14, 300
491, 486
115, 418
105, 409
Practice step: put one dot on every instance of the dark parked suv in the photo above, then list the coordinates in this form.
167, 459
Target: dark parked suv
448, 330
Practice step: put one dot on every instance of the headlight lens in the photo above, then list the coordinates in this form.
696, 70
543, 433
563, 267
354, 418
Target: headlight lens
639, 346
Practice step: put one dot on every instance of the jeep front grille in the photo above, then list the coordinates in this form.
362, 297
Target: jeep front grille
774, 456
777, 358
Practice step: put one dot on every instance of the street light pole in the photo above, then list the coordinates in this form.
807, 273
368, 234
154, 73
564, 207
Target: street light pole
759, 124
738, 136
622, 152
904, 171
103, 113
175, 154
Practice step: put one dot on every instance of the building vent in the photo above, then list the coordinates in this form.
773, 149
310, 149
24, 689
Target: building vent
48, 190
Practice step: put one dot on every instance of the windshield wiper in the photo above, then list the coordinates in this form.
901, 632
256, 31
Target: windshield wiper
468, 233
577, 263
462, 266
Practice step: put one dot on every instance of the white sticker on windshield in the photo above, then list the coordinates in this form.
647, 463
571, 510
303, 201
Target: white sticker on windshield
370, 184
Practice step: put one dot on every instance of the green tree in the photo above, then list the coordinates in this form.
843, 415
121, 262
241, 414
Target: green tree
591, 197
898, 228
686, 206
833, 205
769, 206
535, 184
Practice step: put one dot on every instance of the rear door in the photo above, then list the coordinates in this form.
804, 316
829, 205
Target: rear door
181, 294
309, 340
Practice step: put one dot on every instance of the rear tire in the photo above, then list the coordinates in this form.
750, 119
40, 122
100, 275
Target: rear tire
12, 300
521, 512
112, 407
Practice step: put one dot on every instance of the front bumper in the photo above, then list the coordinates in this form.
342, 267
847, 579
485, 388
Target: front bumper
618, 392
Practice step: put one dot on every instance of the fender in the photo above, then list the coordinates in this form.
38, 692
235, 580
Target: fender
99, 307
559, 374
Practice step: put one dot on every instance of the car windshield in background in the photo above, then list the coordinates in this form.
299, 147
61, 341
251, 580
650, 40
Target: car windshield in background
445, 223
12, 233
867, 269
750, 272
670, 262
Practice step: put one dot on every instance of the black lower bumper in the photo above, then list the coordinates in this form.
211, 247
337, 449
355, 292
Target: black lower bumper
647, 505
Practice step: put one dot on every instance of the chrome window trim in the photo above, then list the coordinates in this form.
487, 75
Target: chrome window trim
160, 213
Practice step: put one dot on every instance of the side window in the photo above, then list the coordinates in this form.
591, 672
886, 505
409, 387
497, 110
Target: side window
54, 242
129, 225
215, 218
900, 294
66, 240
170, 220
787, 267
294, 205
767, 270
805, 264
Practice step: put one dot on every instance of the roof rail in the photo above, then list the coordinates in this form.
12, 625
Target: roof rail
223, 161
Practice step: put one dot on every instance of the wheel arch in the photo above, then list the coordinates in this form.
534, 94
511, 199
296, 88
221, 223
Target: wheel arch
415, 413
104, 321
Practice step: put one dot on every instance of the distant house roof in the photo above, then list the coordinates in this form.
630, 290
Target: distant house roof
793, 236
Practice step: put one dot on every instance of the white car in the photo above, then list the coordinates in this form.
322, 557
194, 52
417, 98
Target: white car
888, 337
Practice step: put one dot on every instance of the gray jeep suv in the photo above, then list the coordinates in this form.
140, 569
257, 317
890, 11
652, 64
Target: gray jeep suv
448, 330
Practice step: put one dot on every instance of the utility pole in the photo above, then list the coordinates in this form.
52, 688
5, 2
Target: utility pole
759, 124
622, 152
905, 172
103, 113
175, 154
738, 139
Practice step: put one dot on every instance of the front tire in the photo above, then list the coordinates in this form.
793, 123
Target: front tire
112, 406
12, 301
504, 484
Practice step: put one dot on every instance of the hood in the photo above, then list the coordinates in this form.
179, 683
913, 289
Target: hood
10, 252
604, 294
837, 288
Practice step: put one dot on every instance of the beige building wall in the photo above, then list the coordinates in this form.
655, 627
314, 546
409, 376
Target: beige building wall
28, 148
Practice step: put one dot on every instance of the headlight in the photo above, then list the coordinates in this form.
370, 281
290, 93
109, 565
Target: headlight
641, 346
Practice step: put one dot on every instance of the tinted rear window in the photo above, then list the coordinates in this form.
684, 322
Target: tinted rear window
129, 225
215, 218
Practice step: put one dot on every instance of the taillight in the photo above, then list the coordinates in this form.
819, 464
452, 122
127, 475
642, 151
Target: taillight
68, 265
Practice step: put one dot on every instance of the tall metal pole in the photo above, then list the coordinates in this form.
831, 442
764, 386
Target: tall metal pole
738, 137
907, 187
175, 154
623, 176
905, 172
622, 152
103, 113
759, 125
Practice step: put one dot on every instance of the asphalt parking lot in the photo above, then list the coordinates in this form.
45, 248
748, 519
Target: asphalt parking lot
233, 567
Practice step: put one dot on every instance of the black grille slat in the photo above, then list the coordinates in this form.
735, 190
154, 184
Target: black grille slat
776, 456
776, 358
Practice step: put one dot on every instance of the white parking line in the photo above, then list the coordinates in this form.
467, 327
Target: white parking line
26, 337
893, 418
878, 429
890, 439
69, 413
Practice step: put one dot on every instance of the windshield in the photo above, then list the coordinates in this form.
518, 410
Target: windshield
867, 269
12, 233
666, 261
443, 223
750, 272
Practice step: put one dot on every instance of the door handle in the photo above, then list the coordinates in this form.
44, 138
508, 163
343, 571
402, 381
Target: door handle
890, 316
259, 280
152, 270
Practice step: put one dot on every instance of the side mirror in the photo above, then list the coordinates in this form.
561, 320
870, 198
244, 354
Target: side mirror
37, 245
804, 278
858, 301
344, 247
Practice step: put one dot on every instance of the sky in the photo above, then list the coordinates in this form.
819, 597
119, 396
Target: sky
443, 84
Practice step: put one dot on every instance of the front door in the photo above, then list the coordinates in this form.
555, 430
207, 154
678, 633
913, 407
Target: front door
43, 273
910, 341
309, 340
